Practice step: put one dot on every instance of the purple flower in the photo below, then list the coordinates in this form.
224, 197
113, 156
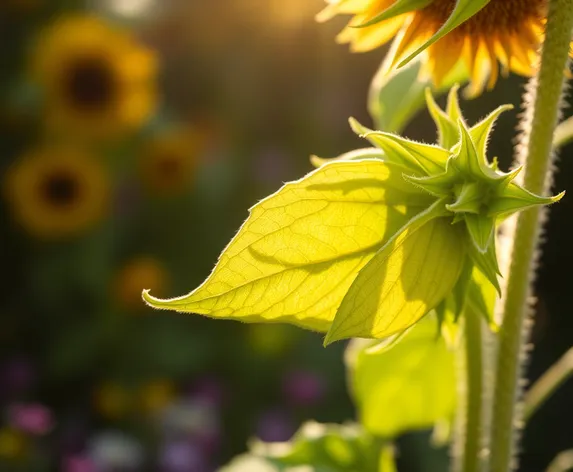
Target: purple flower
31, 418
275, 426
209, 391
78, 463
182, 456
303, 388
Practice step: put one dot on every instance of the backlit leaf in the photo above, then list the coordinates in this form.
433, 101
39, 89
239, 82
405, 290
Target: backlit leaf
408, 277
408, 387
326, 448
297, 254
366, 153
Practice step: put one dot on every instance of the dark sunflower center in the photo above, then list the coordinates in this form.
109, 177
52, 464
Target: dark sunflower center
169, 167
498, 16
60, 189
90, 83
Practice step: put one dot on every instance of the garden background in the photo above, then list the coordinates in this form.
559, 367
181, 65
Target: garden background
219, 103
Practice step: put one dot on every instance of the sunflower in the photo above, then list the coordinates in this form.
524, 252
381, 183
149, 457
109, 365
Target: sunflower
112, 401
96, 79
56, 191
169, 161
142, 271
156, 395
502, 36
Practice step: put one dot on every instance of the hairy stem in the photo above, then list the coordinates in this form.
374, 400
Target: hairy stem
540, 121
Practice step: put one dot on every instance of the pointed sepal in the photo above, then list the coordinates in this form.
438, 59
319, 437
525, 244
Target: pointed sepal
481, 131
481, 230
399, 7
469, 199
448, 134
515, 198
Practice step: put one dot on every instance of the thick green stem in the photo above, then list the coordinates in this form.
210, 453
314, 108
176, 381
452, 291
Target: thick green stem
539, 126
471, 455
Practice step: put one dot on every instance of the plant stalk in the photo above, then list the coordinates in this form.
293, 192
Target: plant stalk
471, 460
538, 129
548, 383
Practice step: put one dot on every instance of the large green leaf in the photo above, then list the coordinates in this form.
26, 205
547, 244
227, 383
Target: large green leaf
407, 387
407, 278
297, 254
328, 448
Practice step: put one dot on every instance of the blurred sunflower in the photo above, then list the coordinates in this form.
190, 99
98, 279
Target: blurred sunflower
155, 396
169, 160
140, 272
56, 192
503, 32
113, 401
97, 80
13, 443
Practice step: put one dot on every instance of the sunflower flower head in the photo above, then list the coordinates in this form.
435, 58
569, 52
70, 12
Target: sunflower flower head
57, 191
169, 161
486, 37
142, 270
96, 79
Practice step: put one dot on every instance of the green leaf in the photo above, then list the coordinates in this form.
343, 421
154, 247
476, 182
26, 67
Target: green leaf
407, 278
297, 254
481, 295
357, 154
396, 95
408, 387
326, 447
398, 8
463, 11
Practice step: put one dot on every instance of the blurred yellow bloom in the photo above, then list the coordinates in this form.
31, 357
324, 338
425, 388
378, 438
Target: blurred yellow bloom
56, 192
156, 395
112, 401
96, 79
13, 443
504, 33
140, 272
169, 161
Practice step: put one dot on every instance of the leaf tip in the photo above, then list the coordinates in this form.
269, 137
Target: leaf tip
152, 301
558, 197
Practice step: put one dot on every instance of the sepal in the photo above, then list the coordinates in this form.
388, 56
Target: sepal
399, 7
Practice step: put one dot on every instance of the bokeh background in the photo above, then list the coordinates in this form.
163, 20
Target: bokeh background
134, 136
